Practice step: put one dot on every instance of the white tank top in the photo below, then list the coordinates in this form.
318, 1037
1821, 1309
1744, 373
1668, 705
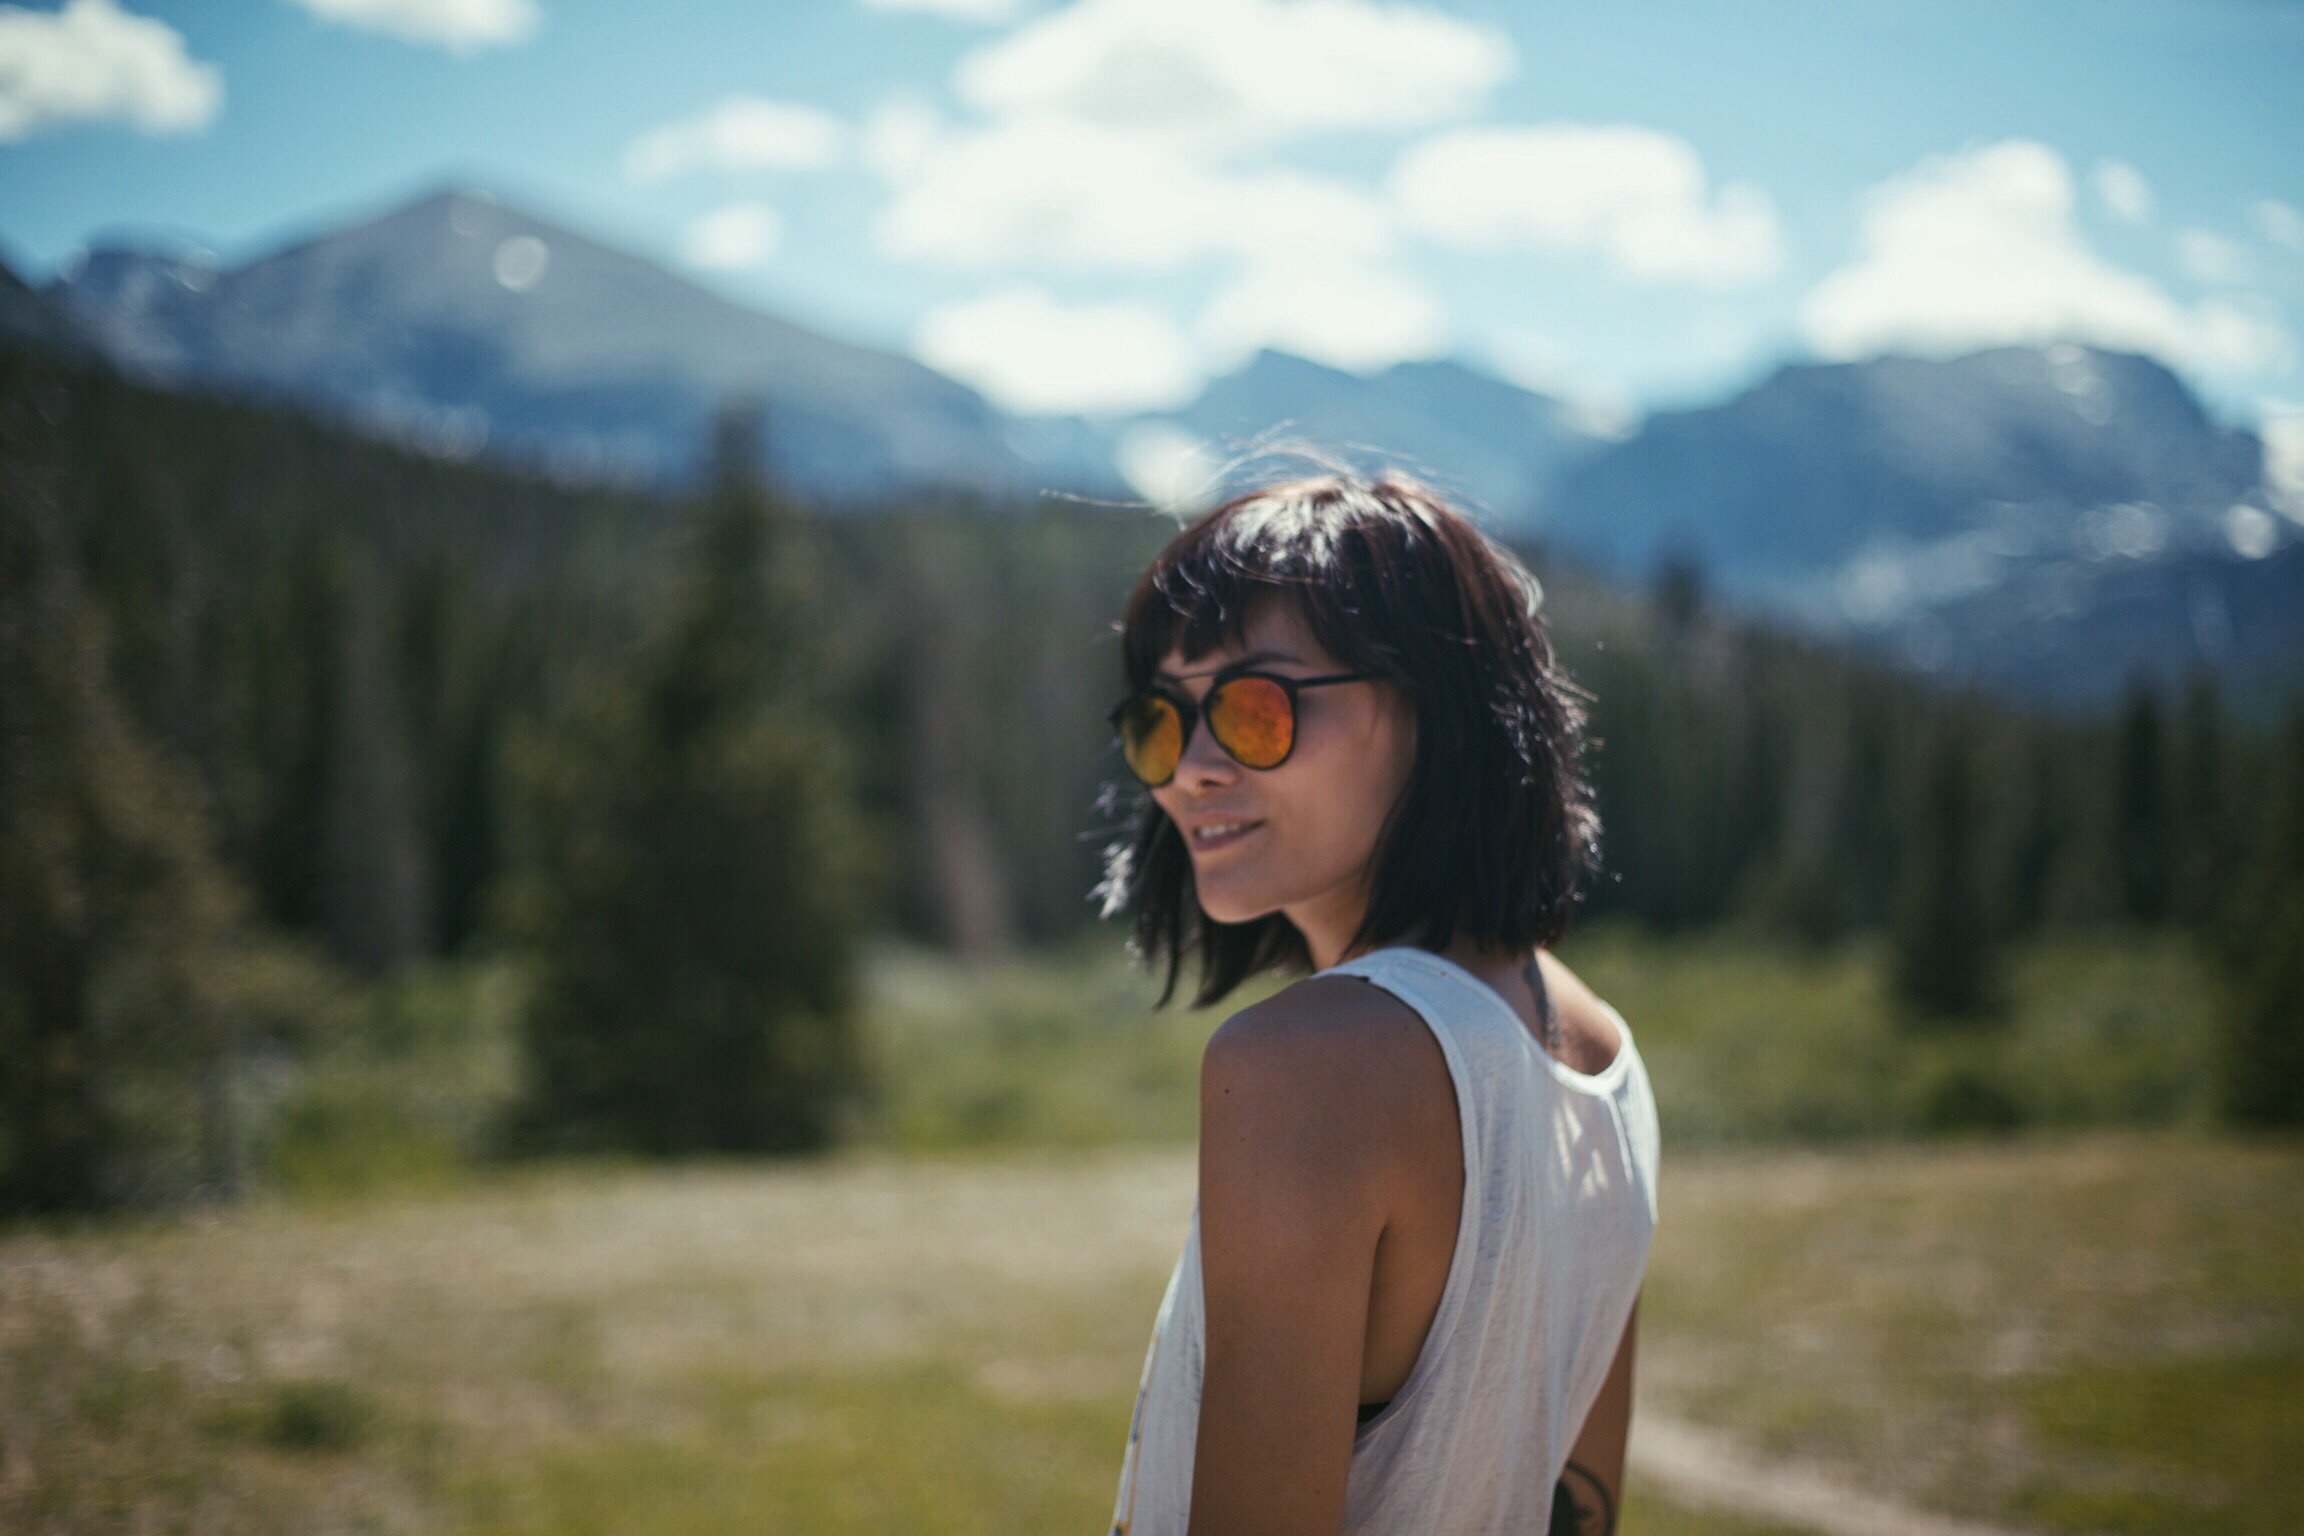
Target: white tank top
1559, 1204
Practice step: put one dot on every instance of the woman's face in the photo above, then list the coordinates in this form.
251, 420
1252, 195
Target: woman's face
1297, 839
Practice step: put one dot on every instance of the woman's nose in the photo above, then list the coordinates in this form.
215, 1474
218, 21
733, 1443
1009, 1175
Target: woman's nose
1204, 762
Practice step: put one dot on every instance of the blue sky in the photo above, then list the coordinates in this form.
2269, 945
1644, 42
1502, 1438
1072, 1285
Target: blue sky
1099, 204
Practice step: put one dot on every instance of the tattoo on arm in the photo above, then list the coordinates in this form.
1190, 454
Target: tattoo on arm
1580, 1504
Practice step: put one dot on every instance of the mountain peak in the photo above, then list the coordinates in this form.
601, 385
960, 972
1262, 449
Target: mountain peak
457, 319
1979, 511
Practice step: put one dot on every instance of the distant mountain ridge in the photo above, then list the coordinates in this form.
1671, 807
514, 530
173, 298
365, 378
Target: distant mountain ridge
463, 325
27, 317
1494, 444
1819, 461
2050, 520
2047, 520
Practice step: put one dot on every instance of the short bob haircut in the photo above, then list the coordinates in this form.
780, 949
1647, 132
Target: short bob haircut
1494, 832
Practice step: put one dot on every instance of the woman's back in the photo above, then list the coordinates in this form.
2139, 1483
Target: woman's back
1558, 1201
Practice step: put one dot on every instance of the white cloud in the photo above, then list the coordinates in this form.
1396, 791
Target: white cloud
2243, 336
732, 238
898, 137
1031, 353
2279, 223
1106, 138
1221, 74
742, 133
460, 26
1634, 196
1346, 315
93, 62
984, 12
1979, 249
1060, 194
2209, 258
2123, 191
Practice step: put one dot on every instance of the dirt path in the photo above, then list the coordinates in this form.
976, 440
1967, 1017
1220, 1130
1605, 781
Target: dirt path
1704, 1469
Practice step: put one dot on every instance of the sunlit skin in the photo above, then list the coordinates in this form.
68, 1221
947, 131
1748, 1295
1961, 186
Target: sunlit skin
1331, 1165
1310, 821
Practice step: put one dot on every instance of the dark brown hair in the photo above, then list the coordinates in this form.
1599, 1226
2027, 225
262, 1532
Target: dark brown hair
1495, 830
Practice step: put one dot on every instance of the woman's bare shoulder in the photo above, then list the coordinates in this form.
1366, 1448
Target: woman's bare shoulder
1326, 1035
1319, 1013
1333, 1076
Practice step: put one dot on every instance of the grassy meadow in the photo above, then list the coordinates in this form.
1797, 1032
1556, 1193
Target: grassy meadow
1748, 1042
2060, 1328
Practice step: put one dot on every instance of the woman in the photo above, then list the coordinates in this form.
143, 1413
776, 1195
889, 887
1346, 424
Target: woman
1427, 1172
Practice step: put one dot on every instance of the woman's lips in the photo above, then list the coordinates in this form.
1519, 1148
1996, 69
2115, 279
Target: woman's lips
1209, 836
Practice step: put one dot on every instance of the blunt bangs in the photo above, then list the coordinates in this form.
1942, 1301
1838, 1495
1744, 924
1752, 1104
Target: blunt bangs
1494, 832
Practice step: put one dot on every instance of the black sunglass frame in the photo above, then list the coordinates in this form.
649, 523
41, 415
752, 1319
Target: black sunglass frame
1188, 713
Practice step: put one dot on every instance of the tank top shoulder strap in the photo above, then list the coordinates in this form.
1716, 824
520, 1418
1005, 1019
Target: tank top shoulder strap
1473, 1025
1449, 1003
1425, 987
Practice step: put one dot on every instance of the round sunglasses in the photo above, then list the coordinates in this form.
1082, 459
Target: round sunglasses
1251, 714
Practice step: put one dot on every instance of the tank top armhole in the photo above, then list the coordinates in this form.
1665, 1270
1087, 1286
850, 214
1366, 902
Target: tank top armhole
1373, 969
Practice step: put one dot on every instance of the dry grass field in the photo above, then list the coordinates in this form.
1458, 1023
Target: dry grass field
2102, 1334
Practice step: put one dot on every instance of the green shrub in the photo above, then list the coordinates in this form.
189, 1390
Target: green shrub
1063, 1049
1747, 1040
318, 1415
404, 1083
1751, 1040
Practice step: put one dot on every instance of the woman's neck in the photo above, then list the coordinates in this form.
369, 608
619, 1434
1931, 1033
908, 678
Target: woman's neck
1329, 926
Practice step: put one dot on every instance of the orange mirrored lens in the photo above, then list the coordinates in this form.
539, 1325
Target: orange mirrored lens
1252, 720
1152, 737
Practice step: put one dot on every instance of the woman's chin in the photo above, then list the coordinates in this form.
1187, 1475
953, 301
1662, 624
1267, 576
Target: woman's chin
1223, 906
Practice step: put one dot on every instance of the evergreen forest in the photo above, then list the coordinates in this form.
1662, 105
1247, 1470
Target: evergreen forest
309, 744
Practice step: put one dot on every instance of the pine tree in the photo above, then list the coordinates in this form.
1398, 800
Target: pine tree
1944, 960
2203, 854
2142, 838
693, 906
113, 911
1677, 594
1863, 840
962, 874
374, 876
2262, 1066
2042, 833
458, 655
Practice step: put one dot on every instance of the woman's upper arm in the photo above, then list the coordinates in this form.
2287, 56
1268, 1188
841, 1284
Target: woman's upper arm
1593, 1483
1291, 1209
